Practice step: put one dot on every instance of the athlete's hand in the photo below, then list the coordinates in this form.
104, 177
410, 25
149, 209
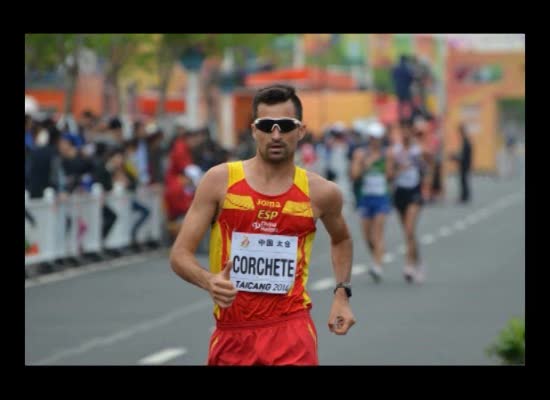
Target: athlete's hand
371, 159
221, 289
341, 317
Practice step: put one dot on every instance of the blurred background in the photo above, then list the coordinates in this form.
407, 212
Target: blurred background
120, 128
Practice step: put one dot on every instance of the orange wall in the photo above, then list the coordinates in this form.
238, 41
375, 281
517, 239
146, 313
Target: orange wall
484, 140
88, 96
322, 108
242, 104
48, 98
513, 72
487, 141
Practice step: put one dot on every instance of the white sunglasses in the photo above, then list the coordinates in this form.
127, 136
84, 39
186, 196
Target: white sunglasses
284, 124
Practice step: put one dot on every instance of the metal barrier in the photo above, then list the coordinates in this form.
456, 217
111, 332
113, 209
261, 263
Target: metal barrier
88, 220
57, 229
40, 222
151, 198
119, 201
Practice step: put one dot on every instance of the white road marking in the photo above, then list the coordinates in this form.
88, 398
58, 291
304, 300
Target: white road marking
358, 269
88, 269
388, 258
104, 341
427, 239
163, 356
170, 317
459, 225
323, 284
484, 213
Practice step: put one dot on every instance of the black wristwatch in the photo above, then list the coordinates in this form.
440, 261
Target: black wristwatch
346, 286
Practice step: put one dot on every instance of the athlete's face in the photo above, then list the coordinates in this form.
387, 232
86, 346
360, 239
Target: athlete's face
407, 133
277, 144
376, 143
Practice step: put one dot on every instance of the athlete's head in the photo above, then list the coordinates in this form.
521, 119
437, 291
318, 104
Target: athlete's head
407, 130
277, 123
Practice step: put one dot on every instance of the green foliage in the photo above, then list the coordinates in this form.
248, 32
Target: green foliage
383, 80
509, 346
44, 51
513, 107
123, 50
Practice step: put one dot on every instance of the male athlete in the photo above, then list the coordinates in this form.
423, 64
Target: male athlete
263, 214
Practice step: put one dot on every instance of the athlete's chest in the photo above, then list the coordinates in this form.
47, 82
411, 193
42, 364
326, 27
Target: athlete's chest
289, 214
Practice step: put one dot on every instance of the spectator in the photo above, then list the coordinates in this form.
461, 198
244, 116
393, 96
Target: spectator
42, 172
105, 165
178, 192
128, 175
156, 154
73, 165
464, 160
402, 76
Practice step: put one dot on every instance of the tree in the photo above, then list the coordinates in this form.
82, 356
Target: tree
45, 52
119, 51
171, 47
243, 47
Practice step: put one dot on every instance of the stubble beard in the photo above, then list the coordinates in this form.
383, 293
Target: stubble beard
285, 156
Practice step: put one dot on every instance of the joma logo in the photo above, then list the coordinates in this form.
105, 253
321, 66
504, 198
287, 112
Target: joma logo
268, 203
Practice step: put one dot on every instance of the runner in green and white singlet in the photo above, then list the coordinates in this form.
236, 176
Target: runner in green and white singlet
374, 203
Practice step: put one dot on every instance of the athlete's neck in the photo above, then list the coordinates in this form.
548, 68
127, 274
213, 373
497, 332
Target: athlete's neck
266, 172
375, 150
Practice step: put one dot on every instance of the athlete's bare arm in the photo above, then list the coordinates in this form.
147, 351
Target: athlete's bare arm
202, 212
390, 165
327, 202
357, 163
429, 162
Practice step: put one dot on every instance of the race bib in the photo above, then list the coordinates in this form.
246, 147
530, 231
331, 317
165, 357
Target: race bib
409, 178
375, 184
263, 263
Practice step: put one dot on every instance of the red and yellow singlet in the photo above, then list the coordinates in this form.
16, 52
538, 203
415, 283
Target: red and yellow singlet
248, 211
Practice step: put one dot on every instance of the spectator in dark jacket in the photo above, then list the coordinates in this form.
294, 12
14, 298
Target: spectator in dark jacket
73, 165
464, 160
403, 77
103, 174
42, 170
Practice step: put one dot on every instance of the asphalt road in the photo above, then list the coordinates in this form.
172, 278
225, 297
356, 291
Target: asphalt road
136, 311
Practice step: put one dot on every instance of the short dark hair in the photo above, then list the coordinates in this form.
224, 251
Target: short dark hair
114, 123
276, 94
406, 123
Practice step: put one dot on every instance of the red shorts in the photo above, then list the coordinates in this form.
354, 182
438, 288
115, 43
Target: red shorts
290, 340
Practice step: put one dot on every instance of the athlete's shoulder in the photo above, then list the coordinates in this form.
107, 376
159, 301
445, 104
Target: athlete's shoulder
216, 177
217, 171
322, 190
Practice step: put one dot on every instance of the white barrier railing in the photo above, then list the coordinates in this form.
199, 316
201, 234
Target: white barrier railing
119, 201
40, 222
87, 212
56, 229
151, 198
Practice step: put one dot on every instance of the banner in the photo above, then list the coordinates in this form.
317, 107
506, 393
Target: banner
353, 48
